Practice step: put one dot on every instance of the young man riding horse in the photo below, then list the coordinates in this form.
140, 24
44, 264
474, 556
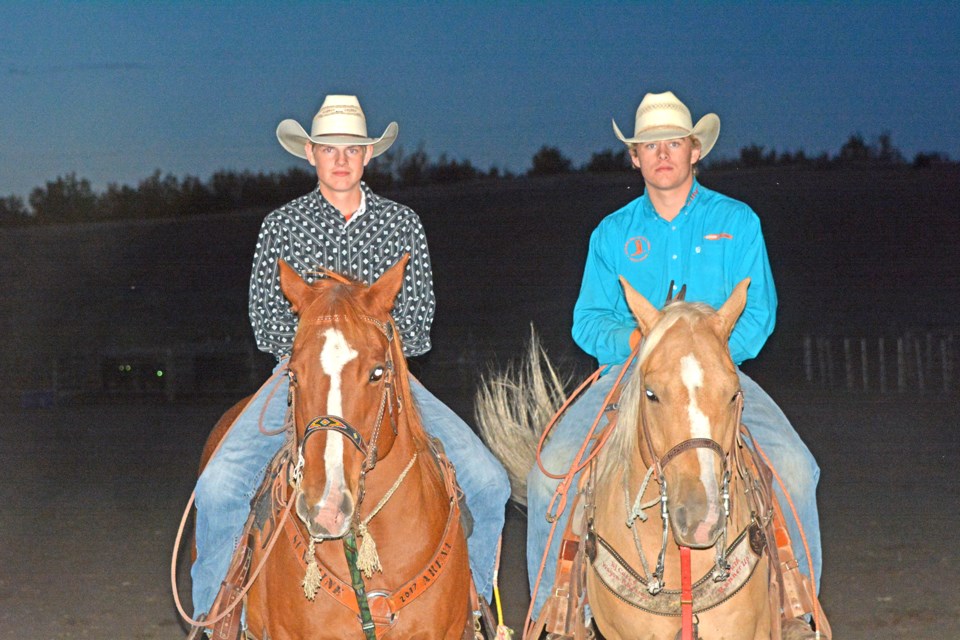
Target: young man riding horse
344, 227
682, 233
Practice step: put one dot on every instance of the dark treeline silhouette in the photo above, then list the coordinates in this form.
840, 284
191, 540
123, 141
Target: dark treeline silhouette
71, 199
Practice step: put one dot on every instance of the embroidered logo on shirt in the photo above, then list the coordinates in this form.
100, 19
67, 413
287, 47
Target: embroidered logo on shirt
718, 236
637, 249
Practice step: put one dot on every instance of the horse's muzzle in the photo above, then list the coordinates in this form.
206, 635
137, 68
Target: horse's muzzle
329, 517
698, 519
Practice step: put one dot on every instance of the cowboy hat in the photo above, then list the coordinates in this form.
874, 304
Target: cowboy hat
340, 121
661, 116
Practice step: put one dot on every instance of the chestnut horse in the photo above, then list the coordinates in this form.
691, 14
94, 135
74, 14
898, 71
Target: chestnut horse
359, 468
674, 462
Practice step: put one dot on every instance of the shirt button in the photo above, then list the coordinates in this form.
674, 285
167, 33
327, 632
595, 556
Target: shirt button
674, 256
674, 227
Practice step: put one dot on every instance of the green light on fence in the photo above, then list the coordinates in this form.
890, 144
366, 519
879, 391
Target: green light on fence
159, 373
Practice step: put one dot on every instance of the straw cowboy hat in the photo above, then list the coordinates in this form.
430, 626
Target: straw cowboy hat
661, 116
340, 121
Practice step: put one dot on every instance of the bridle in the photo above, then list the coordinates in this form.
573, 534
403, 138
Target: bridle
722, 568
339, 425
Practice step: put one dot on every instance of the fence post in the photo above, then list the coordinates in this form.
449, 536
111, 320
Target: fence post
830, 371
808, 358
823, 352
918, 357
881, 348
944, 365
848, 363
901, 365
864, 364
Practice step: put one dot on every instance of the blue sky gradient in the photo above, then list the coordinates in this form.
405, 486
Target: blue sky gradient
114, 90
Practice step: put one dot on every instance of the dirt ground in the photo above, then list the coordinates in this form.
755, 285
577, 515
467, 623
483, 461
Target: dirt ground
93, 495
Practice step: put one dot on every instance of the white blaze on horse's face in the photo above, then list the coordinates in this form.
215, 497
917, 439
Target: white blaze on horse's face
328, 518
691, 373
335, 355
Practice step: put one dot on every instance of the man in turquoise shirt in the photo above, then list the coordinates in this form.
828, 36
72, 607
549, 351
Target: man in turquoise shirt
678, 232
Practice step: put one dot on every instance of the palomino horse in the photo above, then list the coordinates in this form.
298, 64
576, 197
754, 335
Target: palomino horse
359, 468
677, 451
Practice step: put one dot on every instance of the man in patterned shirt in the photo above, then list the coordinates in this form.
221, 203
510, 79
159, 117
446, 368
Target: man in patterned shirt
345, 227
677, 231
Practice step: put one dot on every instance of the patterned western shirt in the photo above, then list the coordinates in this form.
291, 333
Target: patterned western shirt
309, 232
712, 244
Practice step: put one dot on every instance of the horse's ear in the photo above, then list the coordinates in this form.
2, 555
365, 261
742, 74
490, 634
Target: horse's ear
384, 291
645, 313
733, 307
293, 286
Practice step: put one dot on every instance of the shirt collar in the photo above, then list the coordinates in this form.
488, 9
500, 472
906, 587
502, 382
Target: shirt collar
650, 212
325, 206
361, 209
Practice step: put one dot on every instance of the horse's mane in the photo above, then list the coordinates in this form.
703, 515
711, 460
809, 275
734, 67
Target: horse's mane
340, 306
624, 440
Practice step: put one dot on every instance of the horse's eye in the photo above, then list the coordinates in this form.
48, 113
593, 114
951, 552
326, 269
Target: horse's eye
376, 374
292, 377
733, 400
651, 396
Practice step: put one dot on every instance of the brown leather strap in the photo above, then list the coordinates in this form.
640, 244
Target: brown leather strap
562, 613
231, 589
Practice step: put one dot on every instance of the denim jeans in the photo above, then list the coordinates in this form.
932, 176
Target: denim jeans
233, 475
770, 428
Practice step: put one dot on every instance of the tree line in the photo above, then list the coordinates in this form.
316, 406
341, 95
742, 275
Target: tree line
72, 199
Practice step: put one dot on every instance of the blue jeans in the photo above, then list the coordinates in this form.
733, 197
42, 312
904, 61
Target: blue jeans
233, 475
770, 428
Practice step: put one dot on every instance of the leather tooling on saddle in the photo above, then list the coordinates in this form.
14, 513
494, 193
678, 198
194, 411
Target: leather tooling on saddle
268, 502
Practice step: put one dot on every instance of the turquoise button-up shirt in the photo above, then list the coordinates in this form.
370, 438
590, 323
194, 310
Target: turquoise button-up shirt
711, 245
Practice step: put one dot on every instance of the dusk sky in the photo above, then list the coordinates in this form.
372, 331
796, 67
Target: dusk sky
115, 90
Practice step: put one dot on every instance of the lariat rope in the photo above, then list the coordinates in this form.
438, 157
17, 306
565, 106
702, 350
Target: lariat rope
210, 621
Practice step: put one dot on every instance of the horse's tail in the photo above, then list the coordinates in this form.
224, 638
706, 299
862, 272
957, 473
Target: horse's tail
513, 407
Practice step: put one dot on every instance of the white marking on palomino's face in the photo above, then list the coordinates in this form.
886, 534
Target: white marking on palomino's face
334, 356
691, 373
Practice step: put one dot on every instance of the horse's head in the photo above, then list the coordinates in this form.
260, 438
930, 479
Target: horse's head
686, 397
343, 382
